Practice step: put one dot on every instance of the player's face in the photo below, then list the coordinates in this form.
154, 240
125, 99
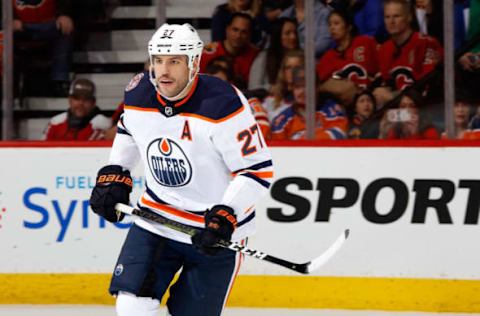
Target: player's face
290, 64
171, 73
289, 36
461, 113
81, 107
397, 18
337, 27
364, 105
407, 103
238, 33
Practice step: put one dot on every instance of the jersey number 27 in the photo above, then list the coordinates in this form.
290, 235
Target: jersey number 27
247, 136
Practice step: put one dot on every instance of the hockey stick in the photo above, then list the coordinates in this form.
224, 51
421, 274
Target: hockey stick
304, 268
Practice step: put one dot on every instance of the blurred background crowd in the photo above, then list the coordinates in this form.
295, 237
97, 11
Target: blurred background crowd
379, 65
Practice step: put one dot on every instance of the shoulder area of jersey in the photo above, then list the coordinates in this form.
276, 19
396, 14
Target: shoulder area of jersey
219, 99
135, 81
138, 90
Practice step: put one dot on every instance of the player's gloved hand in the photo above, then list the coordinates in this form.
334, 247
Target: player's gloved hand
220, 222
113, 186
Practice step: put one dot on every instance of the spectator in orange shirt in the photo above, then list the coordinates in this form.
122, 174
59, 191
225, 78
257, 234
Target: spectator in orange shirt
466, 126
236, 45
83, 120
260, 116
290, 124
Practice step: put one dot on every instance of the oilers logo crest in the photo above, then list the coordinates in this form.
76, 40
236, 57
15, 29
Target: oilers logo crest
168, 163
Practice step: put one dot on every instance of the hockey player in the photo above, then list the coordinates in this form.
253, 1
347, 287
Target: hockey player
206, 164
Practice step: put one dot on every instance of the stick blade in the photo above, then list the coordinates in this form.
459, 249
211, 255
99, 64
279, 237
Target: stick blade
328, 254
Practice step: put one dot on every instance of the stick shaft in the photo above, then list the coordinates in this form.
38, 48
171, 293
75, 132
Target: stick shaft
157, 218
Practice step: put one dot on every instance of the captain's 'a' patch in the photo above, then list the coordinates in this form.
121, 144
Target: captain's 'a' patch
186, 134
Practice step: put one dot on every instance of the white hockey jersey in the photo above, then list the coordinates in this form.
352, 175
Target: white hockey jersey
203, 150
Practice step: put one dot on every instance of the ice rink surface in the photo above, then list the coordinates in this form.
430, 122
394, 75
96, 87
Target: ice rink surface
79, 310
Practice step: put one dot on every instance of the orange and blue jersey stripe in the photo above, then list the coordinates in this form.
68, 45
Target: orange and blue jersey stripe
261, 173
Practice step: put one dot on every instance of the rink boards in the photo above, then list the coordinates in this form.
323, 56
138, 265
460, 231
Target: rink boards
413, 214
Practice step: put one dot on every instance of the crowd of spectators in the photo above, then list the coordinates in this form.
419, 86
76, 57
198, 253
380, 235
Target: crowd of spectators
376, 63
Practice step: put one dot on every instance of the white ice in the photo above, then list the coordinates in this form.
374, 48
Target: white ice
88, 310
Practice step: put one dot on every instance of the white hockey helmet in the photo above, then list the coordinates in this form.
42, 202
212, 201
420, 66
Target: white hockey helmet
176, 39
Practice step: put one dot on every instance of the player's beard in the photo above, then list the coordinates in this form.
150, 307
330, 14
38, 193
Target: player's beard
173, 89
179, 93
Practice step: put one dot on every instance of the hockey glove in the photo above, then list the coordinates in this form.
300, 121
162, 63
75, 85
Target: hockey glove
220, 222
113, 186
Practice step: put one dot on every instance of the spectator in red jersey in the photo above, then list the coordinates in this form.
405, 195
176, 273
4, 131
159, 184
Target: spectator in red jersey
352, 64
83, 120
290, 123
407, 56
223, 14
48, 20
363, 108
407, 121
236, 45
265, 68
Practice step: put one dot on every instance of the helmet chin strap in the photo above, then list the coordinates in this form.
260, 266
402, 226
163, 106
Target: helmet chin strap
192, 74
